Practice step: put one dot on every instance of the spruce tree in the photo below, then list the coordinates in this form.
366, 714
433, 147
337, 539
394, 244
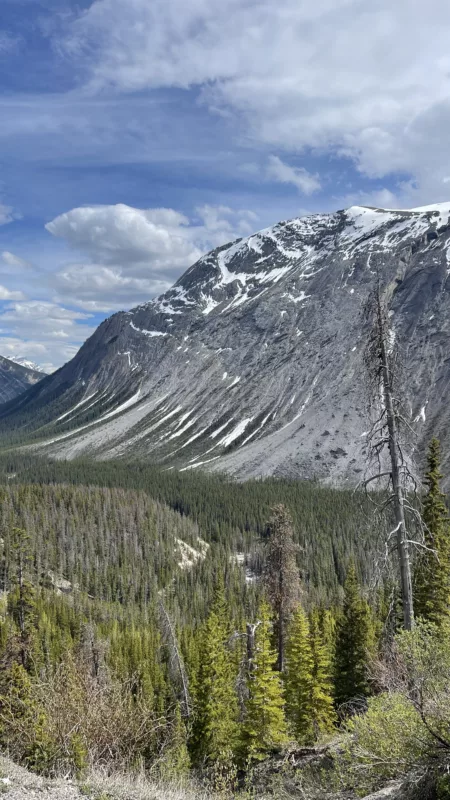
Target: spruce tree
23, 722
299, 678
264, 728
322, 707
309, 700
22, 600
352, 644
216, 729
175, 763
432, 571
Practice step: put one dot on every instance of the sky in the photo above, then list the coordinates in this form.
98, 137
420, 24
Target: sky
135, 136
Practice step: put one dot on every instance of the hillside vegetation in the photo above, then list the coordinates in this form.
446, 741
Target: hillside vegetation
246, 637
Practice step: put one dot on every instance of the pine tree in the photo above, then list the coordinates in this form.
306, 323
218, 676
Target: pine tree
309, 700
216, 729
23, 722
299, 678
352, 644
264, 728
22, 600
175, 763
432, 571
322, 706
281, 575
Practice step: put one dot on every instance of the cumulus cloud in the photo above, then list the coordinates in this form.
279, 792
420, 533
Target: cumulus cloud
368, 81
305, 182
135, 254
122, 235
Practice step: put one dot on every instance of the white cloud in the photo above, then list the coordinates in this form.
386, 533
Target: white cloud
305, 182
128, 255
12, 260
135, 253
48, 358
100, 288
7, 214
7, 294
121, 235
47, 314
370, 81
43, 331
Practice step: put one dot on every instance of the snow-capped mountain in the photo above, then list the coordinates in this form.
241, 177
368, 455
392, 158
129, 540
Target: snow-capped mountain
16, 377
24, 362
252, 362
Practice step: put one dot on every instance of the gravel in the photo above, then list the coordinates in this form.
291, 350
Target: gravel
18, 784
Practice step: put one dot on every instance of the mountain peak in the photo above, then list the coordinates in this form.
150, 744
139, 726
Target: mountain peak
252, 361
16, 377
25, 362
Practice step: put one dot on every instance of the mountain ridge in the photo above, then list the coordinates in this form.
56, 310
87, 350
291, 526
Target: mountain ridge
26, 362
252, 361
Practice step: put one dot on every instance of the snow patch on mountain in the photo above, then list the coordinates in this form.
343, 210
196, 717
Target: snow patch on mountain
258, 351
25, 362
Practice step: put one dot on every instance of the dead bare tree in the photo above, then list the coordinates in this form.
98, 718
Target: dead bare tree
176, 659
385, 436
281, 578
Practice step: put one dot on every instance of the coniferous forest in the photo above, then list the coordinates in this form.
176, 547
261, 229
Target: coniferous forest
245, 637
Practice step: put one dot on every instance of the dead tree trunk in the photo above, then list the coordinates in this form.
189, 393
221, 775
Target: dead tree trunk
251, 631
280, 574
382, 369
397, 484
176, 660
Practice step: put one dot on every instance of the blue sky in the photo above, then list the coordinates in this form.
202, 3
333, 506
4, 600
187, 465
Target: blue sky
135, 136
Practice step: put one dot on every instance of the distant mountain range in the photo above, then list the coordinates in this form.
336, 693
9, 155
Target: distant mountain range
17, 375
24, 362
252, 362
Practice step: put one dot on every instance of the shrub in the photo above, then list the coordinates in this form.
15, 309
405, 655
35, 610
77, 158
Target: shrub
388, 741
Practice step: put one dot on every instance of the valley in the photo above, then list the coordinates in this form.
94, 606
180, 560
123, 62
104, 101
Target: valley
199, 591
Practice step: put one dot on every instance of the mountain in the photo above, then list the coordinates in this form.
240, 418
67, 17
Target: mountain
16, 377
24, 362
253, 361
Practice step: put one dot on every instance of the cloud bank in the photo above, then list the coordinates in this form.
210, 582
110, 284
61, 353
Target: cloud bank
365, 81
245, 104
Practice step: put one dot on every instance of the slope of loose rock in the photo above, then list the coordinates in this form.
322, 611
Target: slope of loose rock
253, 361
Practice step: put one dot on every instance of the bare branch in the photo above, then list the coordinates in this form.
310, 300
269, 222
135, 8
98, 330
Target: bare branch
176, 658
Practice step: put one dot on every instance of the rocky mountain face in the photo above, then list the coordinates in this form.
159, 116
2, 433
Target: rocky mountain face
253, 362
15, 378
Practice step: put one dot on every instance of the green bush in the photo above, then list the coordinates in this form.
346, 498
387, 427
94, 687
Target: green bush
386, 742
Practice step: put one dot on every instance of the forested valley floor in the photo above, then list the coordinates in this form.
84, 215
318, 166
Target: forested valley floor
235, 639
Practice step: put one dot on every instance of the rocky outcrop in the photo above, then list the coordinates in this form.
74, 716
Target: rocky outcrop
252, 363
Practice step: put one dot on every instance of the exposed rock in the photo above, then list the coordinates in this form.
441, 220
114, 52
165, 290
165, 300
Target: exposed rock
257, 351
395, 791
